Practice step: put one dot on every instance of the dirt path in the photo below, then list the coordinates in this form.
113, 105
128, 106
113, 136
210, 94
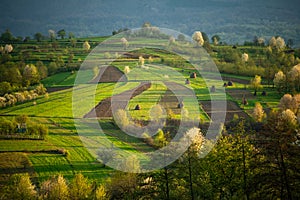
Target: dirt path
104, 108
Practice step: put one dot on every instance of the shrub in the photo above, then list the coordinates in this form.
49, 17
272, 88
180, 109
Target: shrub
7, 127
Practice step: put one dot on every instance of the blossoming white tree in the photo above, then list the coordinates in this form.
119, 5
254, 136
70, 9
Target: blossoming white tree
277, 43
51, 34
197, 36
86, 45
279, 80
245, 57
126, 69
258, 112
141, 60
294, 74
8, 48
124, 42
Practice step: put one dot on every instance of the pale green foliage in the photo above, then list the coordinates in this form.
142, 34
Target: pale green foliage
51, 34
40, 89
156, 112
294, 75
10, 99
96, 71
258, 112
101, 193
21, 188
30, 74
2, 102
131, 164
195, 138
280, 43
80, 188
159, 139
86, 46
287, 117
107, 55
272, 42
185, 114
172, 40
225, 160
126, 69
197, 36
55, 189
279, 79
295, 72
245, 57
141, 60
124, 42
289, 102
150, 59
256, 83
121, 118
8, 48
277, 43
122, 185
261, 40
215, 41
20, 97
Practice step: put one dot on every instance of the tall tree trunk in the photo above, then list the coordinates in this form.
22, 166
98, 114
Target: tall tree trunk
190, 176
244, 172
167, 183
287, 187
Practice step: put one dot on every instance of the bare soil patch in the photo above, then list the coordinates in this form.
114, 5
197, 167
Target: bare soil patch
104, 108
109, 74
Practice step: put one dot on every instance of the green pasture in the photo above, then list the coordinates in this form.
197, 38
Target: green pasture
146, 100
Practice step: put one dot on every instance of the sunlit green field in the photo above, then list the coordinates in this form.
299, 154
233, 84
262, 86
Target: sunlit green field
58, 109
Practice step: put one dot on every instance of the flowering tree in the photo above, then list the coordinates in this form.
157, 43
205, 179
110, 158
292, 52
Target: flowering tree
86, 45
171, 40
156, 112
141, 60
261, 41
279, 80
124, 42
30, 74
280, 43
197, 36
215, 39
8, 48
289, 102
295, 76
245, 57
256, 83
258, 112
277, 43
126, 69
51, 34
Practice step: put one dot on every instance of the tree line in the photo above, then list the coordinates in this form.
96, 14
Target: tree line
261, 163
21, 127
